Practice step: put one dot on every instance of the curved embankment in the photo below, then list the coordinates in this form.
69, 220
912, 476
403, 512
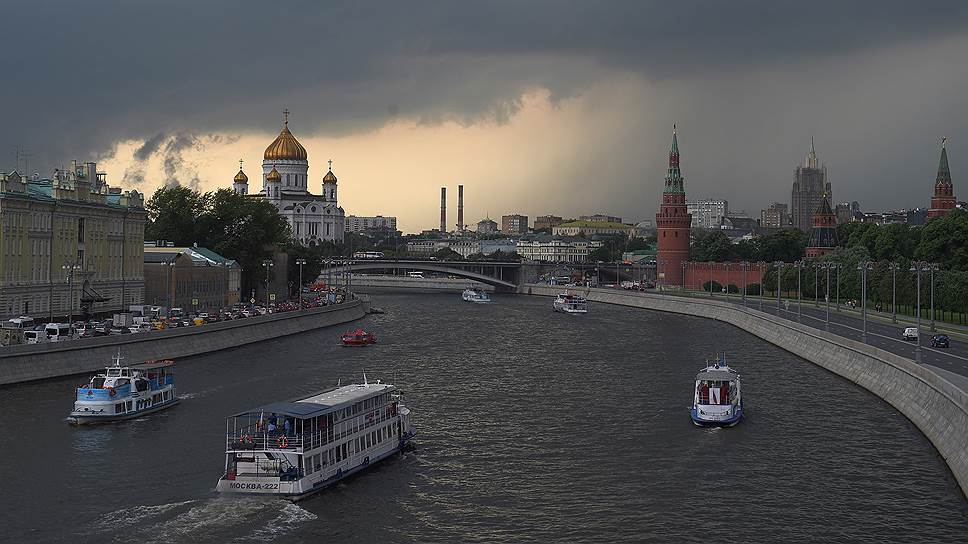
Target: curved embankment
39, 361
936, 406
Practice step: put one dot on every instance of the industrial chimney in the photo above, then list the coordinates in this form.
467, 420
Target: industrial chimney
443, 210
460, 208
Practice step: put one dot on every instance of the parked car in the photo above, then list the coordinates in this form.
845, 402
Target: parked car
119, 330
939, 341
911, 333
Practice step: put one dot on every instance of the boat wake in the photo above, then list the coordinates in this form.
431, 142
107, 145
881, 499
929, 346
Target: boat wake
221, 519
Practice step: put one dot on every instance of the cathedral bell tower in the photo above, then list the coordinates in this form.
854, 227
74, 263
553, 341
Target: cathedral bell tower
240, 184
329, 185
673, 223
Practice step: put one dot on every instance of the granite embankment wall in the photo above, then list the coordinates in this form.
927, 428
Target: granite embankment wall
39, 361
935, 405
363, 283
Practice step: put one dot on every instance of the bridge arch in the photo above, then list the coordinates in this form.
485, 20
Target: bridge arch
427, 266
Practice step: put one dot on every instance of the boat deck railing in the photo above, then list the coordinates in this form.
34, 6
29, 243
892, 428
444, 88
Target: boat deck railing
266, 441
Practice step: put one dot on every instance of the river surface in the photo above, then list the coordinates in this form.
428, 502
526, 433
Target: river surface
532, 427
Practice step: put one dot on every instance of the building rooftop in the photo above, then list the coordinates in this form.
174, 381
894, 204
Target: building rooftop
595, 225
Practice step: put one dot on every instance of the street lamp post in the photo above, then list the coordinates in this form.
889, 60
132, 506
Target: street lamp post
300, 262
685, 264
779, 269
267, 264
837, 275
710, 278
745, 265
816, 285
864, 266
828, 266
70, 269
917, 267
893, 267
169, 290
761, 265
932, 267
799, 265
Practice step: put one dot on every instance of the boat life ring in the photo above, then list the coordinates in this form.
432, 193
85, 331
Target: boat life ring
246, 439
282, 442
111, 392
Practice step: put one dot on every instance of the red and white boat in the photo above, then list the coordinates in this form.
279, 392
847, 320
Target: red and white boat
359, 337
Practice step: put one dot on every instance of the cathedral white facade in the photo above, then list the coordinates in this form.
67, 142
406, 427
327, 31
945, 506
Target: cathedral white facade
285, 183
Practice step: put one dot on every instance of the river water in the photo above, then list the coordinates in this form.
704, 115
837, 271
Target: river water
533, 427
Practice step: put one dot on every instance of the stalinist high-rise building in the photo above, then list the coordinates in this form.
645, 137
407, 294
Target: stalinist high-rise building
810, 185
285, 183
673, 222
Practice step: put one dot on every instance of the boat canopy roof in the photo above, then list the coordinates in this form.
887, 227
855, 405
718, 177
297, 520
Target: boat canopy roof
147, 365
722, 374
322, 402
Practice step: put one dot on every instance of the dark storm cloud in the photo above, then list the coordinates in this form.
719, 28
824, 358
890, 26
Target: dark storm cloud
123, 70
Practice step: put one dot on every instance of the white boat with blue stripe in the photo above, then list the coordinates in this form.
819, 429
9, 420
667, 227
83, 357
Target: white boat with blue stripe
125, 392
296, 448
476, 295
717, 397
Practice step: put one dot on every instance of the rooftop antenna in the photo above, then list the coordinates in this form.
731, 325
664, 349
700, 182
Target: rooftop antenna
330, 165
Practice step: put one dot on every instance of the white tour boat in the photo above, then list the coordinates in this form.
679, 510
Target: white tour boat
125, 392
295, 448
717, 397
570, 304
478, 296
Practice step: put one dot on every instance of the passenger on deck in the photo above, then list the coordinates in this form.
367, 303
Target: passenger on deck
271, 427
286, 425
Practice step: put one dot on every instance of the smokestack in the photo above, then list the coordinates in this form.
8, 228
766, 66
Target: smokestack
460, 208
443, 209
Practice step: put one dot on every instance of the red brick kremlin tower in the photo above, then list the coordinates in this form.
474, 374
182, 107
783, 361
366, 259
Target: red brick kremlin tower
944, 196
673, 222
823, 235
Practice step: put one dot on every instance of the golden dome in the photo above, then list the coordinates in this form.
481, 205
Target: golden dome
274, 175
241, 177
285, 146
329, 177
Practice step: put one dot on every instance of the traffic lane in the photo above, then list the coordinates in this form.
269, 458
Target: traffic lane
941, 358
816, 317
889, 330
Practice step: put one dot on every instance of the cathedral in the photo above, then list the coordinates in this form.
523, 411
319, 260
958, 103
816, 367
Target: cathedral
313, 218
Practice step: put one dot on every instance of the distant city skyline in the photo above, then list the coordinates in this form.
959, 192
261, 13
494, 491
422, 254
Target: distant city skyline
406, 100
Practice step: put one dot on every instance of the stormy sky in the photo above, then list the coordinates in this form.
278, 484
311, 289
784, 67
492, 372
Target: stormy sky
536, 107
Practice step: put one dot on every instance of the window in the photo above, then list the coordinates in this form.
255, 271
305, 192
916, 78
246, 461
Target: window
80, 229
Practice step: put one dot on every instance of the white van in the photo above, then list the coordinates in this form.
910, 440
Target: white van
415, 274
911, 333
57, 332
35, 337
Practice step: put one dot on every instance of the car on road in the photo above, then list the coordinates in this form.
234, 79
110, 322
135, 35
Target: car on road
939, 341
910, 333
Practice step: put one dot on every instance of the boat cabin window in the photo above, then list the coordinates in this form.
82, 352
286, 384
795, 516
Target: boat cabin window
98, 382
114, 372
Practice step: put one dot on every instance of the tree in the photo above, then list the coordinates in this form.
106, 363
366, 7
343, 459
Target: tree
785, 245
240, 228
446, 254
944, 240
172, 213
710, 245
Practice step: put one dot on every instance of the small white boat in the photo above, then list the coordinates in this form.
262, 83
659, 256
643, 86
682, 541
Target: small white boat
478, 296
570, 304
125, 392
717, 397
296, 448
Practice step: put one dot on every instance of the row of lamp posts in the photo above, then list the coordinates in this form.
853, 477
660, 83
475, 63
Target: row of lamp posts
864, 267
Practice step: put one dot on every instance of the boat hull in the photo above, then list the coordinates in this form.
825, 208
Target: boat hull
84, 418
272, 488
729, 422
